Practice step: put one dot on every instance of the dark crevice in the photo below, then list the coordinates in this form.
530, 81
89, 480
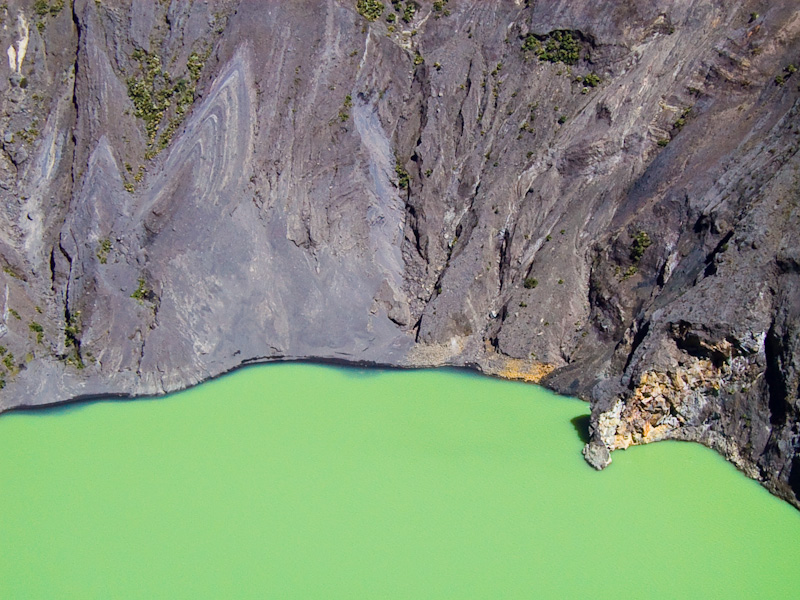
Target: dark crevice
416, 328
77, 24
505, 259
413, 223
638, 338
711, 263
776, 384
794, 477
53, 268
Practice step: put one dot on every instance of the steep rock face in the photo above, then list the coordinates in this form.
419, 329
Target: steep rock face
602, 197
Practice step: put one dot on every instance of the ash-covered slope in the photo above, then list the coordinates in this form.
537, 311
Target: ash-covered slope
602, 197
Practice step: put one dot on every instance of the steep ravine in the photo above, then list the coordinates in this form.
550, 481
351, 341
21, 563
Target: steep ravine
600, 197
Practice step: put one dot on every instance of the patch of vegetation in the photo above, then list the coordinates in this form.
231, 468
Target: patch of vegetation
556, 47
150, 92
76, 361
681, 121
153, 93
38, 330
663, 142
103, 248
418, 60
41, 8
9, 271
788, 71
8, 361
592, 80
370, 9
14, 314
72, 332
439, 8
408, 11
142, 292
641, 243
31, 133
344, 113
403, 178
530, 283
629, 272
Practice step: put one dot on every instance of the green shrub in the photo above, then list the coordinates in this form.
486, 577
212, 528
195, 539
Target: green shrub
38, 330
141, 292
530, 283
629, 272
558, 46
640, 243
41, 8
592, 80
681, 121
153, 93
408, 11
369, 9
72, 332
403, 178
103, 248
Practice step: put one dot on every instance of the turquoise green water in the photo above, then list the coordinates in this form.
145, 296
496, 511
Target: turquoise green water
301, 481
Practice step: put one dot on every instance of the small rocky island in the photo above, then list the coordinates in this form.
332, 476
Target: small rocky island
600, 197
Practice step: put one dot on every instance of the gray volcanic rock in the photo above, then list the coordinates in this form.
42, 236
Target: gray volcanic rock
601, 197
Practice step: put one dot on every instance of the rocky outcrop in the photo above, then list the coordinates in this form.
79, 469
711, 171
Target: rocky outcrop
601, 197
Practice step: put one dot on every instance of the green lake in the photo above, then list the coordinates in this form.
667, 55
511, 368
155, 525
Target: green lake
307, 481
